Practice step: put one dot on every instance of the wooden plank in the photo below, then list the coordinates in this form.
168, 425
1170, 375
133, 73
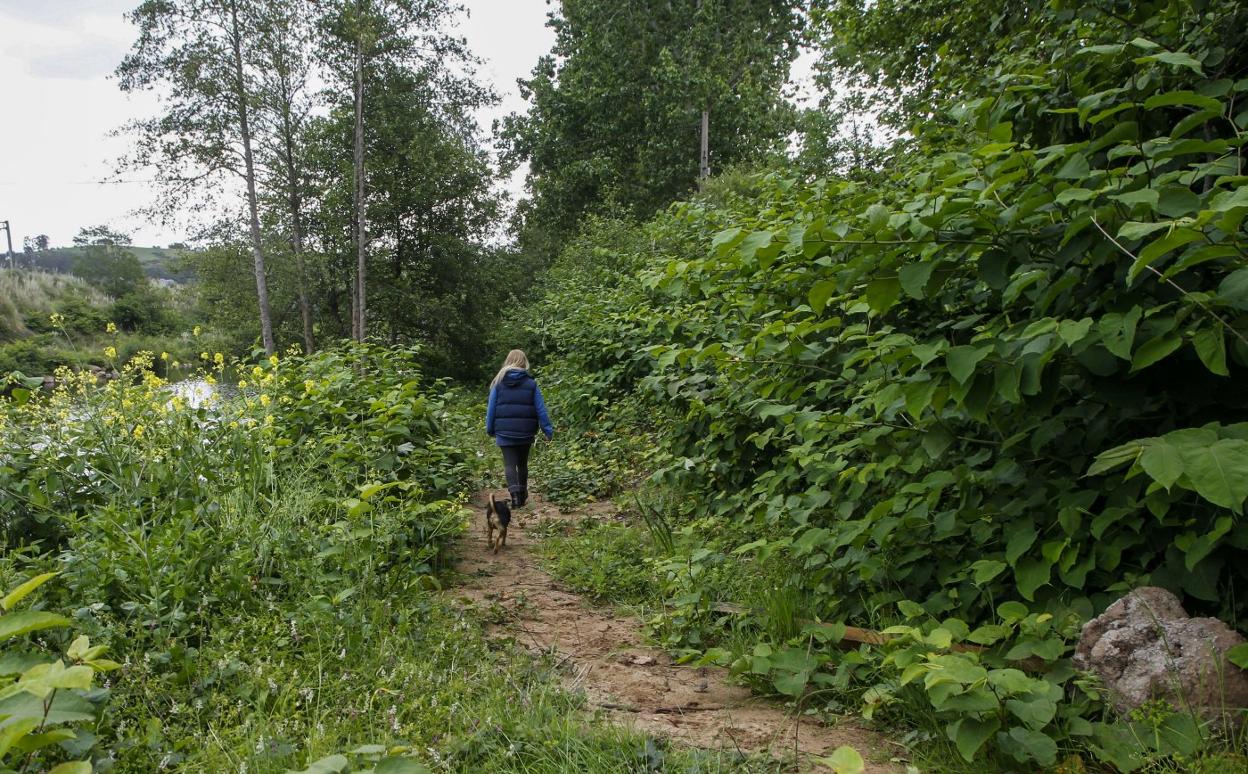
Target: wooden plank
858, 636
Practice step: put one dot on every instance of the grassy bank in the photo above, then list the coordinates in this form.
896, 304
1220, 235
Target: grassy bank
48, 320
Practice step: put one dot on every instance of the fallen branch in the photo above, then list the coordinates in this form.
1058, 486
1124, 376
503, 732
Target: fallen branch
857, 636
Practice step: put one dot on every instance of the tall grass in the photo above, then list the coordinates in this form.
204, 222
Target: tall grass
26, 293
33, 291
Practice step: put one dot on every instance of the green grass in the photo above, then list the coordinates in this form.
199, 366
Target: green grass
604, 560
409, 672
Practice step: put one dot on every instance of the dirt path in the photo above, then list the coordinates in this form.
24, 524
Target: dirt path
606, 656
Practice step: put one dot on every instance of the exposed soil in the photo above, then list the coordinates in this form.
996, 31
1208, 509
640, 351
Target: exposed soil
605, 656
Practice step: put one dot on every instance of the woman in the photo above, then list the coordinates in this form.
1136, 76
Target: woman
515, 413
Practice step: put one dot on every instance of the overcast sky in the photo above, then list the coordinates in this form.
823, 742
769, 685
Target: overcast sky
56, 57
61, 104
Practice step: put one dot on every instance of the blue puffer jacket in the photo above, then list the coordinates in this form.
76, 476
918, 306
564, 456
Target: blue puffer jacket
517, 410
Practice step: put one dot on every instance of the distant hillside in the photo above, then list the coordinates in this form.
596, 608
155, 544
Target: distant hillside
158, 262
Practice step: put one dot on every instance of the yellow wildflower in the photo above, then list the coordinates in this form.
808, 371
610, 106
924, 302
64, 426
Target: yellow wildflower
110, 328
164, 355
208, 378
264, 400
273, 359
195, 331
110, 353
203, 356
257, 371
242, 384
57, 319
138, 431
219, 359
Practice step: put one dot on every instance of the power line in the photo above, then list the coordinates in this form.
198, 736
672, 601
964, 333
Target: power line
80, 182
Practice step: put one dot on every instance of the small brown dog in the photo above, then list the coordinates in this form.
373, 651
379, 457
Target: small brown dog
497, 517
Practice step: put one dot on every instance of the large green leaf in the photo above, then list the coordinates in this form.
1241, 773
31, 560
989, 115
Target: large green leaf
1234, 288
961, 361
1186, 98
1162, 462
400, 766
1154, 350
1118, 331
22, 591
792, 683
1219, 471
1210, 345
66, 707
819, 294
969, 734
754, 242
1027, 746
15, 624
333, 764
1238, 655
883, 293
1155, 250
1031, 574
1145, 196
914, 277
844, 760
1175, 58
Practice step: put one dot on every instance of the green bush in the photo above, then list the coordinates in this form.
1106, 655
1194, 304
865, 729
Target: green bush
29, 356
980, 395
144, 310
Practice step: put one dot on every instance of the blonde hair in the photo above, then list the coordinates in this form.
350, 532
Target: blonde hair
515, 359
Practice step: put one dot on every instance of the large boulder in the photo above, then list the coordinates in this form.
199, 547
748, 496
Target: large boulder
1145, 646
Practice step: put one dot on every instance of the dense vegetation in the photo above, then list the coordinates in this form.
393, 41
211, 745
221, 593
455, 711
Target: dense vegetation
978, 393
250, 583
966, 378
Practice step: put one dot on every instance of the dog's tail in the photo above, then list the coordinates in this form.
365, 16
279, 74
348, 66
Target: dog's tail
503, 509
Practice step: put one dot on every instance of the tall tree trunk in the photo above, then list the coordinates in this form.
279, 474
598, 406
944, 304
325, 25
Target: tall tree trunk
361, 269
296, 228
249, 171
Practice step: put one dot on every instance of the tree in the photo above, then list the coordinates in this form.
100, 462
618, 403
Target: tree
282, 55
360, 39
100, 235
103, 261
198, 52
616, 111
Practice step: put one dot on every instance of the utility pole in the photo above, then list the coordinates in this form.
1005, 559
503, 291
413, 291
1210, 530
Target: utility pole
704, 168
8, 234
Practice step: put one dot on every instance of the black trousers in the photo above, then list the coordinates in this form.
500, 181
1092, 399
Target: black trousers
516, 469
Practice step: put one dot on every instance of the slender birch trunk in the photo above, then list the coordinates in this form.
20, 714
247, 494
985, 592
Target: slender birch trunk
249, 171
361, 269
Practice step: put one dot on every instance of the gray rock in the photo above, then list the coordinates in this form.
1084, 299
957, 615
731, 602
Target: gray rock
1145, 646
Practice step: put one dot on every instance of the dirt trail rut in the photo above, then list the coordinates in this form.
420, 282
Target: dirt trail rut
606, 656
